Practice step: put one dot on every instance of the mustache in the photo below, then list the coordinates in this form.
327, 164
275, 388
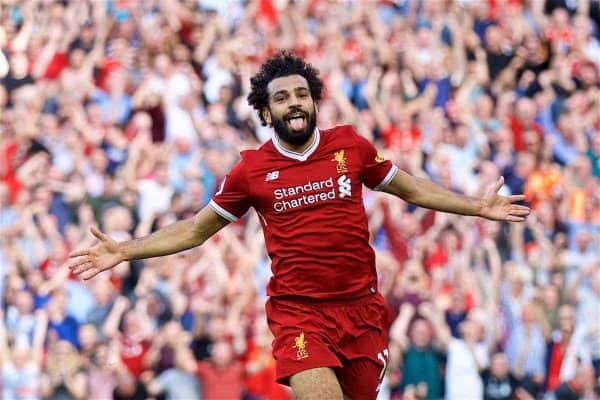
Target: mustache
295, 112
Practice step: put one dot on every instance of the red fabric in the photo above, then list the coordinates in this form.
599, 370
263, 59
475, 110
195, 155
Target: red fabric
108, 66
352, 51
444, 296
221, 383
186, 31
267, 13
563, 35
517, 129
133, 354
8, 169
398, 243
437, 258
262, 384
57, 64
116, 282
403, 140
556, 358
428, 220
350, 336
312, 212
492, 9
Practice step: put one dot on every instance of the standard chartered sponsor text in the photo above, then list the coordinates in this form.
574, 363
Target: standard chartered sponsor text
301, 195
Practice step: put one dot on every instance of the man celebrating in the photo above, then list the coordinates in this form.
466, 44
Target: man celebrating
328, 319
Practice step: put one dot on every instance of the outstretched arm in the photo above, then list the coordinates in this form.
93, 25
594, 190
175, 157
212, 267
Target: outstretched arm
425, 193
174, 238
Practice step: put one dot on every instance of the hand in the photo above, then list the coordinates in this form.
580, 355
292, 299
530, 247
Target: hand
122, 303
407, 310
93, 260
426, 309
146, 377
500, 208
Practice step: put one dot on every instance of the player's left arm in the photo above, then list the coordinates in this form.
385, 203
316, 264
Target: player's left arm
425, 193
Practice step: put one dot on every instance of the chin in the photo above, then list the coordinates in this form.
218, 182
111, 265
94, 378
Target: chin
300, 137
295, 138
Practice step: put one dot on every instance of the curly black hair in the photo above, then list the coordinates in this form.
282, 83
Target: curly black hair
283, 63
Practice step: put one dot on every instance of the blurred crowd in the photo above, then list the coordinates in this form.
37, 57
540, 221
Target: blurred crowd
127, 114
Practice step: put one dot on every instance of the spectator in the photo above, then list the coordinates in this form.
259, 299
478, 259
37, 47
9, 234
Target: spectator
178, 381
467, 357
565, 349
526, 348
498, 382
418, 353
22, 364
222, 376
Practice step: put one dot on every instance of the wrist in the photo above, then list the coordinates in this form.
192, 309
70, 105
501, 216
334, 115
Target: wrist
479, 208
123, 253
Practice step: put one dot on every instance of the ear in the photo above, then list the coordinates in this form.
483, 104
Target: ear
266, 114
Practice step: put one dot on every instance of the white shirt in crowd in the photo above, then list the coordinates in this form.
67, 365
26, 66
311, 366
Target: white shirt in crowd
463, 381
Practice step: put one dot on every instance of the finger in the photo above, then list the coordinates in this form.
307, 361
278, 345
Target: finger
99, 235
92, 273
519, 211
82, 268
74, 262
516, 197
514, 218
79, 253
498, 184
519, 207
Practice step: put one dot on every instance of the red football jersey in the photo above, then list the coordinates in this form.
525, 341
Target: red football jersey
311, 209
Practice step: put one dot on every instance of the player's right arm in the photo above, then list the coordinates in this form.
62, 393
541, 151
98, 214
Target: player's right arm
181, 235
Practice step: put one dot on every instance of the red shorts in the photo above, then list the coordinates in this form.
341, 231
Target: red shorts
351, 337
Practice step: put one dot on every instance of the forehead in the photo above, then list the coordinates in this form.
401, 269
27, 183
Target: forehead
287, 83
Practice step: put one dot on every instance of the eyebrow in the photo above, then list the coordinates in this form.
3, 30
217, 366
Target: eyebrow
283, 91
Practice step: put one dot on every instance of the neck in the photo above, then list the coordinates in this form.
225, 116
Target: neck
297, 148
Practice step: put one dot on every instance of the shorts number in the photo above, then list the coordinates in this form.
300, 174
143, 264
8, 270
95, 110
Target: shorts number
221, 187
383, 357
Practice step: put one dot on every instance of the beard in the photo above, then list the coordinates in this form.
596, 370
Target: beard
293, 137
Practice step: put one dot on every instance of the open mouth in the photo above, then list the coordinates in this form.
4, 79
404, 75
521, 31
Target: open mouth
297, 121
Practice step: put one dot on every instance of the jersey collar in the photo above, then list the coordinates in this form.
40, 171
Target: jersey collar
295, 155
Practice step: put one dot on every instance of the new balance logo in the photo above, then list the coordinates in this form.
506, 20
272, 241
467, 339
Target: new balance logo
345, 187
271, 176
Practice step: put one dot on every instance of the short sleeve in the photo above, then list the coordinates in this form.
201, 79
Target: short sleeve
377, 172
232, 200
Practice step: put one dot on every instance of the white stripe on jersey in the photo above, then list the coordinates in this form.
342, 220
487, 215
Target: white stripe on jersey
388, 178
222, 212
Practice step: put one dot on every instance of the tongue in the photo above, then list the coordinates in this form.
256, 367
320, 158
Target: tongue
297, 124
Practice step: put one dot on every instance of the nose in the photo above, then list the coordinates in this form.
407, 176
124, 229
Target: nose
294, 101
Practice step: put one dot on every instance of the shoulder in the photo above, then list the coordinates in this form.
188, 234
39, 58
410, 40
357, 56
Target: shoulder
258, 154
339, 131
344, 135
